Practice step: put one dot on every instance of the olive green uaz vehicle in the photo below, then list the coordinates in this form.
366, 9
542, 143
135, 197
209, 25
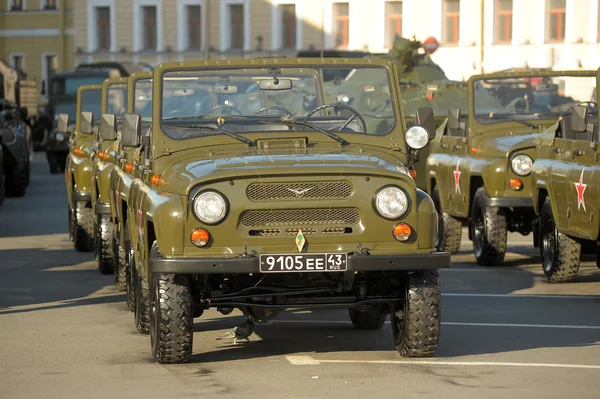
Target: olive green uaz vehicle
114, 103
139, 93
480, 165
566, 195
245, 204
79, 167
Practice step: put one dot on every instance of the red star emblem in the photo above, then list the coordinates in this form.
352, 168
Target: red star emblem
457, 178
580, 187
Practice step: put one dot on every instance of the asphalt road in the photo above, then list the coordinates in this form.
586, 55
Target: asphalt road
66, 333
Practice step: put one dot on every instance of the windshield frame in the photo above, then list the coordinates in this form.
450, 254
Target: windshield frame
79, 108
105, 88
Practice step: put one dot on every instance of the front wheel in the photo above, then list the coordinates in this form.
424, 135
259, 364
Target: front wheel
449, 228
560, 253
416, 320
120, 265
171, 318
83, 220
489, 231
105, 245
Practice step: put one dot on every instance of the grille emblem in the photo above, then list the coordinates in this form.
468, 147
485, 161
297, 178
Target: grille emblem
298, 192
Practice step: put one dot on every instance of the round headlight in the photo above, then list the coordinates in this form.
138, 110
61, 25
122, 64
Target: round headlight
210, 207
391, 202
416, 137
521, 164
60, 137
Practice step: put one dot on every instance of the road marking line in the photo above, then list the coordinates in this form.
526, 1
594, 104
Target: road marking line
449, 323
308, 360
544, 296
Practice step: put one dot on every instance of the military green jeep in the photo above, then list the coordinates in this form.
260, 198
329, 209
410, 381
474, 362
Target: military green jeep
244, 203
139, 93
479, 170
114, 103
566, 194
79, 167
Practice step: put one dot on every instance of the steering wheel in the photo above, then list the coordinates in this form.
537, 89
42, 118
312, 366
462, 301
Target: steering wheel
276, 108
355, 115
223, 107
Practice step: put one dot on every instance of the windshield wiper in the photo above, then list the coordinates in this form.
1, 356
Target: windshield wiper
295, 122
243, 139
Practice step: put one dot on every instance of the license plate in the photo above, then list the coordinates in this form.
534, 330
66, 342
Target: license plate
289, 263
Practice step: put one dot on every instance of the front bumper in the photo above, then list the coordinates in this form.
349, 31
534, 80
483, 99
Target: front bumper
509, 202
356, 263
102, 209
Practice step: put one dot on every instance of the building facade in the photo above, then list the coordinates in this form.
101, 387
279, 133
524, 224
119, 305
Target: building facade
36, 37
559, 34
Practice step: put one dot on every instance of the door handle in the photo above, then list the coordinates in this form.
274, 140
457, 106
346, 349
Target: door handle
444, 145
457, 147
577, 153
557, 150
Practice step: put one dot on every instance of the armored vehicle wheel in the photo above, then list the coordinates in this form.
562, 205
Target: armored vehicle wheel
489, 231
83, 221
372, 319
449, 228
560, 253
120, 265
171, 318
130, 282
416, 322
105, 240
142, 311
52, 162
17, 178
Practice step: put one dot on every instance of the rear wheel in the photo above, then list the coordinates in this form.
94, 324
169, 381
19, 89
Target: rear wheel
372, 319
489, 231
449, 228
83, 220
560, 253
105, 244
171, 318
142, 312
416, 320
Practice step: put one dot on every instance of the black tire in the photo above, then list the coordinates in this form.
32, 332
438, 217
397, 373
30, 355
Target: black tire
106, 259
2, 193
171, 318
142, 305
120, 265
52, 162
71, 221
84, 227
62, 162
372, 319
449, 228
130, 281
17, 179
416, 323
489, 231
96, 240
560, 253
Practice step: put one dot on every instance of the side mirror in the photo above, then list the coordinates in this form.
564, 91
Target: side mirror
63, 123
131, 131
86, 125
23, 112
108, 127
425, 117
579, 118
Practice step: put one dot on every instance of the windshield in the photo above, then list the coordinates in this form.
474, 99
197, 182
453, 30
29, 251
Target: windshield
250, 98
91, 101
117, 99
143, 99
68, 86
65, 108
531, 97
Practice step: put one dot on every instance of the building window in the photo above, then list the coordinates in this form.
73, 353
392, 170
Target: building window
16, 5
149, 27
236, 21
503, 14
49, 4
451, 21
103, 28
341, 24
393, 22
288, 23
194, 14
555, 25
18, 62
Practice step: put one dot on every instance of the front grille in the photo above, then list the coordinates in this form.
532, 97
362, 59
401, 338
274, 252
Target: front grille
307, 231
300, 217
294, 191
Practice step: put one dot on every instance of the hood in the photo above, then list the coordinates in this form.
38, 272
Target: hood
193, 167
500, 146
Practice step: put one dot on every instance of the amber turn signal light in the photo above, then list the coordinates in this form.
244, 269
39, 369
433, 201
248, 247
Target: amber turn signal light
473, 150
200, 237
77, 151
101, 155
515, 184
128, 167
402, 231
155, 179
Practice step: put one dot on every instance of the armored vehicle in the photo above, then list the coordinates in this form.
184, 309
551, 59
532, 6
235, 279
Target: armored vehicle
243, 203
79, 166
566, 192
479, 170
114, 103
139, 93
